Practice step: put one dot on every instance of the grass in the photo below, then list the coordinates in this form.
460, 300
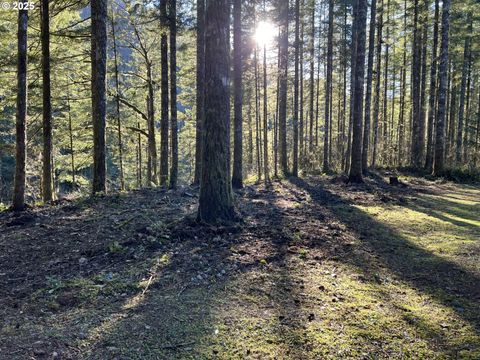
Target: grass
317, 276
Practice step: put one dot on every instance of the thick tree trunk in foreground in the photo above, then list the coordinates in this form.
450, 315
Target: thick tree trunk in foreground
164, 100
438, 162
237, 174
200, 93
368, 95
173, 92
47, 104
99, 72
21, 117
216, 200
355, 174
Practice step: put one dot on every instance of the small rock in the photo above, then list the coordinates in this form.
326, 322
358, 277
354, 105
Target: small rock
82, 261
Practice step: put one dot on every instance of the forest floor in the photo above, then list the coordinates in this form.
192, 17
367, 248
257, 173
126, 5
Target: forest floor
317, 269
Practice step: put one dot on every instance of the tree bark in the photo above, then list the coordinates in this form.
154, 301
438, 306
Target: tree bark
21, 116
173, 92
283, 71
216, 200
47, 104
416, 133
164, 100
117, 103
296, 89
237, 175
328, 89
432, 96
368, 95
200, 93
378, 67
438, 162
99, 72
355, 174
461, 110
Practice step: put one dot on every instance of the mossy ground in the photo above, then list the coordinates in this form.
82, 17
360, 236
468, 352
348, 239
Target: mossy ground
317, 270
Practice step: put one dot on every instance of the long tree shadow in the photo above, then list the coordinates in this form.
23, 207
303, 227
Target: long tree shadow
446, 281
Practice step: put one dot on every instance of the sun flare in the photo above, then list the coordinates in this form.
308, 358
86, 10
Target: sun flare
265, 33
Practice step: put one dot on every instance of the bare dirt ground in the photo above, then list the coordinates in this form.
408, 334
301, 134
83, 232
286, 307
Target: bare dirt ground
316, 269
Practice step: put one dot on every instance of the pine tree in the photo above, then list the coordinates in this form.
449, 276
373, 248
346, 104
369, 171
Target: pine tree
99, 72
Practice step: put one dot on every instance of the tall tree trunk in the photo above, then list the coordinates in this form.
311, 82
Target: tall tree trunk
173, 92
432, 97
301, 98
295, 89
355, 174
438, 161
21, 116
99, 72
257, 115
216, 200
117, 102
200, 87
368, 95
237, 175
70, 135
461, 110
328, 89
378, 67
312, 75
164, 101
283, 70
47, 105
385, 89
423, 82
265, 118
416, 134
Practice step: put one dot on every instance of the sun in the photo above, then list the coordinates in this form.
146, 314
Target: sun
265, 33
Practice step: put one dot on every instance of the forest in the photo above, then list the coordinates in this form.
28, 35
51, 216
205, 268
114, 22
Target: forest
240, 179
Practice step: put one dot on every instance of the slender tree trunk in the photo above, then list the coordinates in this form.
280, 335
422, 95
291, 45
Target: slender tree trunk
368, 95
461, 110
438, 162
216, 200
283, 70
117, 102
237, 175
99, 72
200, 83
257, 115
265, 118
152, 145
312, 77
423, 82
328, 89
164, 101
139, 168
250, 134
376, 104
385, 88
416, 134
301, 98
173, 92
47, 105
432, 97
295, 87
21, 116
70, 133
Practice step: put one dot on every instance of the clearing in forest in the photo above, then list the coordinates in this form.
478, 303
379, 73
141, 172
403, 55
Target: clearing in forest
317, 269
